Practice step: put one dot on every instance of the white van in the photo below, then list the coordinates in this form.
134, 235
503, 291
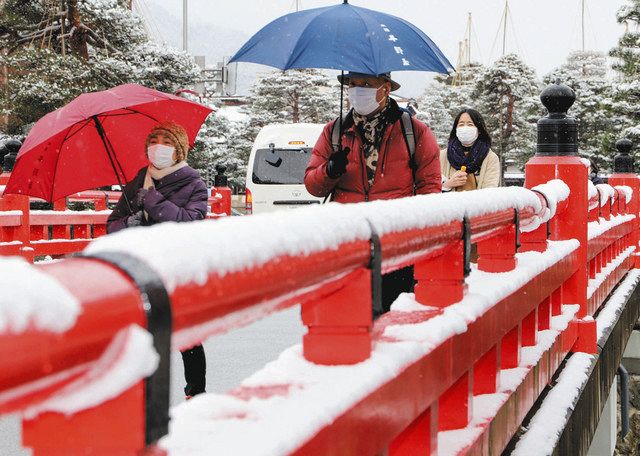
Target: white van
275, 172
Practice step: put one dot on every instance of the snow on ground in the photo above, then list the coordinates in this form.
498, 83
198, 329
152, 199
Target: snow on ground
185, 253
277, 423
48, 307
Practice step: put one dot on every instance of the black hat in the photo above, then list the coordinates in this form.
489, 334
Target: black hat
386, 76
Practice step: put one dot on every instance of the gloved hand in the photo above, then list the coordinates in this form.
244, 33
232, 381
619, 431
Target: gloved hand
135, 219
337, 164
138, 200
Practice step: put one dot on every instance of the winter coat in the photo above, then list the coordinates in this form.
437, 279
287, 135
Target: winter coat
180, 196
488, 177
393, 177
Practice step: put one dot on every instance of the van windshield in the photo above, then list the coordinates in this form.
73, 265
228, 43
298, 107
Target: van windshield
280, 166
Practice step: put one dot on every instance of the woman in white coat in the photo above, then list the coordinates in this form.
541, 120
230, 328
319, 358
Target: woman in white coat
468, 163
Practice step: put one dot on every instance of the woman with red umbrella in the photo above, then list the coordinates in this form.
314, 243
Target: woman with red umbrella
166, 190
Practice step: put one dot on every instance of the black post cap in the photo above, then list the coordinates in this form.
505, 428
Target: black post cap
623, 162
220, 180
557, 132
11, 149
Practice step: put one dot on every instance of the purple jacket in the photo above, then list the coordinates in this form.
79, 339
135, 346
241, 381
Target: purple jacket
178, 197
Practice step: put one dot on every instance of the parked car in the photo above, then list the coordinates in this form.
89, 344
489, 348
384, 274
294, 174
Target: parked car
275, 172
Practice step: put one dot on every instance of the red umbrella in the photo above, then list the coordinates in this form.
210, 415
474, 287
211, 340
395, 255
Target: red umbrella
97, 139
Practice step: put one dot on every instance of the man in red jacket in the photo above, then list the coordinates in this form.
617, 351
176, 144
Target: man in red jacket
372, 159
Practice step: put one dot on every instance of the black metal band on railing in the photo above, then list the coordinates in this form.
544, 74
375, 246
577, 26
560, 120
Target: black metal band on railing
157, 307
546, 200
466, 240
516, 221
375, 264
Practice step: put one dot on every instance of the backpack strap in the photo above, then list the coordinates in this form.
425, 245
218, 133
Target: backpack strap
409, 139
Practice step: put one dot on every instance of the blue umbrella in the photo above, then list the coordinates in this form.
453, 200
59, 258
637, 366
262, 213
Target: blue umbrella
343, 37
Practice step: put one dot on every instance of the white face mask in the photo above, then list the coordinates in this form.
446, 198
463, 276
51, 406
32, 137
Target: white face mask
363, 99
467, 135
161, 156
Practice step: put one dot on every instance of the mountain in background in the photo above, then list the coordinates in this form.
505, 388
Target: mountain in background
213, 41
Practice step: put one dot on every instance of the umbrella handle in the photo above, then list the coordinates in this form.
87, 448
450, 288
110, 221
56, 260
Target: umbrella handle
341, 96
110, 154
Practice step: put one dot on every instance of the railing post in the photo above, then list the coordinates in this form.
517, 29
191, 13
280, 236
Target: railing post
624, 174
221, 205
497, 254
420, 437
340, 324
557, 158
440, 280
20, 233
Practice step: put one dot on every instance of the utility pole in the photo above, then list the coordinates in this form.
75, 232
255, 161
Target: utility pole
468, 40
297, 5
583, 48
504, 33
185, 27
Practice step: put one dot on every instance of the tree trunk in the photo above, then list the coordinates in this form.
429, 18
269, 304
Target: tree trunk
295, 108
78, 41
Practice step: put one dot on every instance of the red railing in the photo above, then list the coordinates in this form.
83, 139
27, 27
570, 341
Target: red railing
58, 232
329, 260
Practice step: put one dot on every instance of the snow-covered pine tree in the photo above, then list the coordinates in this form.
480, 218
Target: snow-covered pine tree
434, 109
507, 94
627, 64
586, 72
294, 96
55, 50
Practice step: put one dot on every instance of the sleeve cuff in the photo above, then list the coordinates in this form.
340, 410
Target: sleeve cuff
152, 198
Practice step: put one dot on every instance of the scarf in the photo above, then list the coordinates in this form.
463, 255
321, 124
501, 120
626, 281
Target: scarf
158, 174
471, 157
372, 130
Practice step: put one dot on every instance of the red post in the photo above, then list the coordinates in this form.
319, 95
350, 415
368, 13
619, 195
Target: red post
485, 372
440, 280
534, 241
544, 314
510, 348
631, 180
340, 324
221, 200
456, 404
530, 329
420, 437
20, 233
497, 254
103, 427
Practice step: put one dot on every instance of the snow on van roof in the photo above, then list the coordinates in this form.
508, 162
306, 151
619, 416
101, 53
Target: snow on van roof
281, 134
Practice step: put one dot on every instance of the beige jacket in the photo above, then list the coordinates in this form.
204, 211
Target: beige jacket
489, 175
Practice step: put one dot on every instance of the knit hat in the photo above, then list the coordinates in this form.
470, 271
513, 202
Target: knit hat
177, 134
